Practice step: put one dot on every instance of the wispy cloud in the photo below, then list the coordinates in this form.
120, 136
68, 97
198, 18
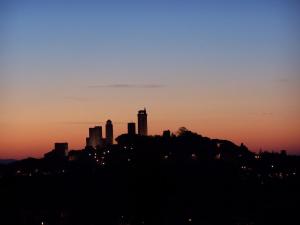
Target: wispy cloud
261, 114
267, 114
88, 122
78, 122
283, 80
74, 98
127, 86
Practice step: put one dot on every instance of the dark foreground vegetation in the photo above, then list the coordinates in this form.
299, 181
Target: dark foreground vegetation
167, 180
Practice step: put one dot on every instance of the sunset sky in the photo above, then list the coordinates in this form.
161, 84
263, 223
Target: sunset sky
224, 70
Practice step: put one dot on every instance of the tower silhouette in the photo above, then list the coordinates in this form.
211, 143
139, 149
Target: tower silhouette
109, 132
142, 122
95, 137
131, 128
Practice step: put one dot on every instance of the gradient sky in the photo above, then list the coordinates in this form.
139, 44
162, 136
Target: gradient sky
225, 70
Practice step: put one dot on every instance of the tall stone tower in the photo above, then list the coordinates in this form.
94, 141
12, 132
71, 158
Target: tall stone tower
142, 122
109, 133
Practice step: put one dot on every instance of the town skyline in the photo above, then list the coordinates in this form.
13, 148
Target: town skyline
156, 112
102, 133
225, 70
165, 179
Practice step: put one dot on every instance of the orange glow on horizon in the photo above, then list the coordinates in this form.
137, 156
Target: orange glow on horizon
21, 140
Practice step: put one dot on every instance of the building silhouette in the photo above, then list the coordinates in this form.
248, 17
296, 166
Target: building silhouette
131, 129
61, 147
59, 152
95, 137
142, 122
109, 132
166, 133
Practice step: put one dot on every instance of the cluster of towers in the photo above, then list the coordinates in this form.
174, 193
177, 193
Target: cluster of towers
142, 124
96, 139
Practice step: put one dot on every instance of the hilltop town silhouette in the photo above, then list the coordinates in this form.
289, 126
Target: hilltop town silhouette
181, 178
